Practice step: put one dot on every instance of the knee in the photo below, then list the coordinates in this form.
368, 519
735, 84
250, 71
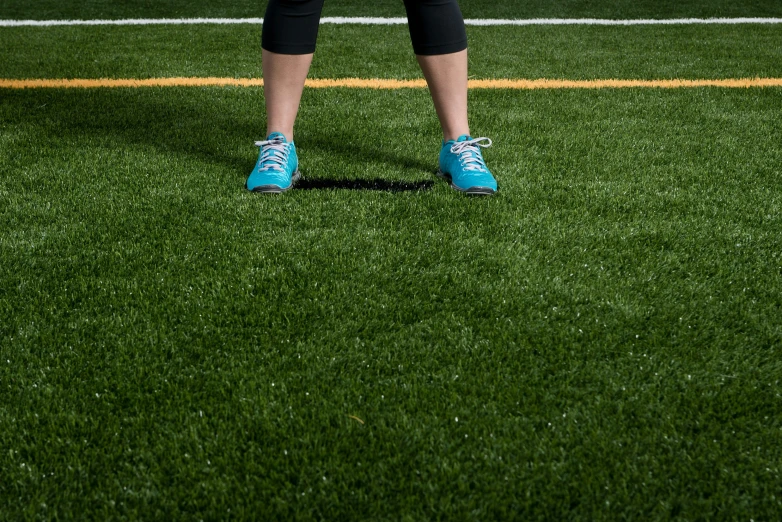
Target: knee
294, 8
431, 3
297, 4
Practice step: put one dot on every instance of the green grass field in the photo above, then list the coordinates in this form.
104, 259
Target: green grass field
601, 340
53, 9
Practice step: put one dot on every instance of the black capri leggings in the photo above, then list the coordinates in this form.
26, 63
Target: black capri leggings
436, 26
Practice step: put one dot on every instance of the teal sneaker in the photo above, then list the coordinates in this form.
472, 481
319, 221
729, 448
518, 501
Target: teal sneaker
462, 165
277, 168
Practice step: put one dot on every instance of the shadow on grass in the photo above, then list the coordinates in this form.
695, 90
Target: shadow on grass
377, 184
352, 149
205, 125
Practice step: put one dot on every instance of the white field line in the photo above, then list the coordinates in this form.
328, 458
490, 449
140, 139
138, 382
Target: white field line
392, 21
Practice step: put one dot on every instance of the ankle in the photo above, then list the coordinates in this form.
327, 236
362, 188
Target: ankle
454, 135
287, 133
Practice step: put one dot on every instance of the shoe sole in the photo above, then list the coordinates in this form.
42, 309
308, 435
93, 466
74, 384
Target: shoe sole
276, 189
473, 191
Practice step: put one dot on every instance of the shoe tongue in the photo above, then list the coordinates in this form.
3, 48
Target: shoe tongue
463, 137
275, 135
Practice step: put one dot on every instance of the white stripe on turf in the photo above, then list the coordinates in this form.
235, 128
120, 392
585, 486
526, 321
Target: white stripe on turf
599, 21
392, 21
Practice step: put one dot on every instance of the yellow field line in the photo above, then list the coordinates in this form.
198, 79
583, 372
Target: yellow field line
374, 83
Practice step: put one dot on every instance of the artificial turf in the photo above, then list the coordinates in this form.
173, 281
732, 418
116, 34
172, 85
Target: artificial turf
108, 9
601, 340
580, 52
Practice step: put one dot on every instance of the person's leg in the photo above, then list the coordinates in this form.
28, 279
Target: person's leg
290, 30
440, 44
446, 76
283, 84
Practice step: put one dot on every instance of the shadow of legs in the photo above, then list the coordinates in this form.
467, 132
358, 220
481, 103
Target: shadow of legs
377, 184
356, 151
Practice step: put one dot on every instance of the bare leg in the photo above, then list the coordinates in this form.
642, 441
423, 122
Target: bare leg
446, 75
283, 84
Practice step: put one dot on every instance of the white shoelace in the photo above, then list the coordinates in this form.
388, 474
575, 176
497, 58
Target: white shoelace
470, 155
274, 154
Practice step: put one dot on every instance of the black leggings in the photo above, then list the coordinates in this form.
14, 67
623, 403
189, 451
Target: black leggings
436, 26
